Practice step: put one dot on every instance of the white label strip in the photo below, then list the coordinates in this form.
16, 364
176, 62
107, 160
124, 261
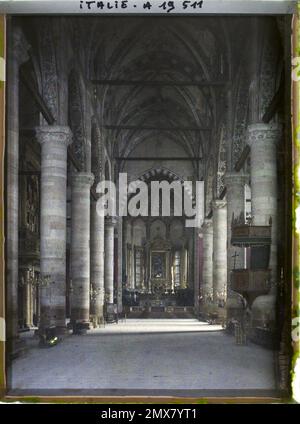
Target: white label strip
2, 69
150, 7
2, 330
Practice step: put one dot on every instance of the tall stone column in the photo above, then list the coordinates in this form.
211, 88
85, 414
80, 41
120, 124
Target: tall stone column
207, 276
183, 268
120, 266
97, 263
132, 272
80, 250
263, 139
110, 223
190, 262
27, 304
132, 261
219, 250
54, 141
198, 266
147, 267
16, 55
235, 197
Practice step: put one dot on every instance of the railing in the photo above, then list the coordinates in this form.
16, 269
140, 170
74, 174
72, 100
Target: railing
250, 235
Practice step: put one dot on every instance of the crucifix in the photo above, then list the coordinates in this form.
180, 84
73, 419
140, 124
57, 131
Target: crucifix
234, 259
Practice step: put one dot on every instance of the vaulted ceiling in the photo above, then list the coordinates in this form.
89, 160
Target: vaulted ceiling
158, 79
181, 82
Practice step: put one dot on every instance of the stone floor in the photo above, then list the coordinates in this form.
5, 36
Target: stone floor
144, 356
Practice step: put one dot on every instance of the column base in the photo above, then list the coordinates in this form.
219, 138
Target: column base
80, 327
216, 314
97, 320
25, 328
205, 310
110, 313
100, 320
93, 320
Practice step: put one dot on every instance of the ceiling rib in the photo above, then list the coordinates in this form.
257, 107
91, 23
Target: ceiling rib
148, 83
136, 127
155, 158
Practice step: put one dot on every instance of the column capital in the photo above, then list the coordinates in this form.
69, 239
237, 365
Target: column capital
83, 178
207, 223
218, 204
49, 134
235, 178
111, 221
263, 133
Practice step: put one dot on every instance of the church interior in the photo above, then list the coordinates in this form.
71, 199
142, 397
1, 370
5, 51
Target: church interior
160, 99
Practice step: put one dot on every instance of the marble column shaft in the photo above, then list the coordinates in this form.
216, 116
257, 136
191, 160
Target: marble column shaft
16, 55
132, 280
80, 247
120, 266
235, 197
132, 272
183, 268
263, 139
54, 141
27, 304
97, 260
198, 264
219, 250
207, 277
190, 262
109, 260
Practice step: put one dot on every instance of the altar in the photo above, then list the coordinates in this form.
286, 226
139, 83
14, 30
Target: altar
154, 301
156, 262
160, 268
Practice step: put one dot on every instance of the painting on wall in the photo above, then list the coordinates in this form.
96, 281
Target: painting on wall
158, 265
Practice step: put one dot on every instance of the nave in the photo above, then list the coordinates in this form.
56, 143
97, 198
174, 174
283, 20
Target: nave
147, 357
